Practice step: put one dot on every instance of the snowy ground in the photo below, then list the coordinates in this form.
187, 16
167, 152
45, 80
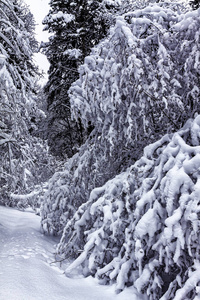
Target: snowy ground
26, 272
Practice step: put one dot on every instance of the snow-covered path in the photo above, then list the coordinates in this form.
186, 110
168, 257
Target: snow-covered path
26, 272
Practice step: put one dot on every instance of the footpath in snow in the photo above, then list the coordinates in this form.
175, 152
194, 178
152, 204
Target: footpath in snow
26, 269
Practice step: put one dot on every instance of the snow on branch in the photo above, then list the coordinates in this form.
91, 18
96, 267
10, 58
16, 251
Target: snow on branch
59, 17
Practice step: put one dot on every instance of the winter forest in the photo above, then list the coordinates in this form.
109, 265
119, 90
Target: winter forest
107, 152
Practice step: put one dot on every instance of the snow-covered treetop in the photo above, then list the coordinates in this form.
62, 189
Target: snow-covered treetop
73, 53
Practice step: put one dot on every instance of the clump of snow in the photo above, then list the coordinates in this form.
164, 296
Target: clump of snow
2, 59
73, 53
59, 16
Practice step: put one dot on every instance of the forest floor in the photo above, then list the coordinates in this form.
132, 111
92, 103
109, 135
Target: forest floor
27, 271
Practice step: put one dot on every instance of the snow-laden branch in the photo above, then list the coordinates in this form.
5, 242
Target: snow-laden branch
24, 197
142, 227
7, 40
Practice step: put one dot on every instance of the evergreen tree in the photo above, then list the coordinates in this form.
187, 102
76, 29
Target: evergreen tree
76, 26
20, 151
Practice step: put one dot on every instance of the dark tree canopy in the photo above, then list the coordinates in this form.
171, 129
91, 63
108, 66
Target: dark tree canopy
195, 4
76, 26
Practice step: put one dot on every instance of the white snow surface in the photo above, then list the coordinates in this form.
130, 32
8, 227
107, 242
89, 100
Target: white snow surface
27, 271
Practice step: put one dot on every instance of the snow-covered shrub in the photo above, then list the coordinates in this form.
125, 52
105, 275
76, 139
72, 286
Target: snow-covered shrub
142, 227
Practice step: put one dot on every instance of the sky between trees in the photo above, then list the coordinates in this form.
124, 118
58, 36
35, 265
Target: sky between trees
39, 9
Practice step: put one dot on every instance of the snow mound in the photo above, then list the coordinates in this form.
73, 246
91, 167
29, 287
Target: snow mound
27, 269
142, 227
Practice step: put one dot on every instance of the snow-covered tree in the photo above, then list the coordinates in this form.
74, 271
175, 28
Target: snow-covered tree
142, 227
143, 76
132, 90
75, 27
20, 152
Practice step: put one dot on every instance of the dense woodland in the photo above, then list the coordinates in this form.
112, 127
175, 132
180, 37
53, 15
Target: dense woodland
108, 152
